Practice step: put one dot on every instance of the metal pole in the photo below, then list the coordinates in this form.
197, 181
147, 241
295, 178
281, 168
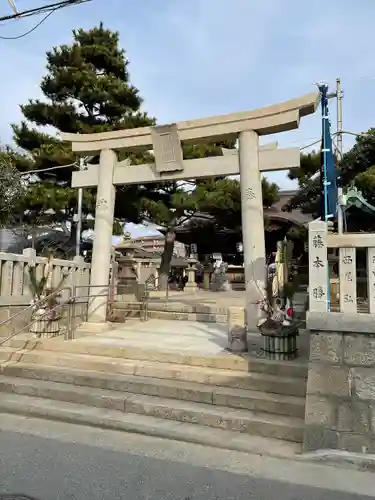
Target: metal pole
79, 214
339, 117
340, 213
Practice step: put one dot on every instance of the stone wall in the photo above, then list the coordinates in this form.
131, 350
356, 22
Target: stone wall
340, 404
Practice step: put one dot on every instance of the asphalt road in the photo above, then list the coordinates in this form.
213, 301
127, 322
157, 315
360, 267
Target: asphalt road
54, 461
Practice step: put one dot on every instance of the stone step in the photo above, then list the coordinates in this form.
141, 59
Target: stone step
140, 424
172, 311
95, 327
88, 329
121, 315
174, 306
257, 423
184, 316
224, 361
164, 388
190, 310
255, 381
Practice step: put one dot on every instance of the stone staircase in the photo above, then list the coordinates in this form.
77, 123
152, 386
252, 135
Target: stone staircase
179, 309
227, 401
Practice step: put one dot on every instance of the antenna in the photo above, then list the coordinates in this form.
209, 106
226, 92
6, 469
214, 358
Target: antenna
13, 6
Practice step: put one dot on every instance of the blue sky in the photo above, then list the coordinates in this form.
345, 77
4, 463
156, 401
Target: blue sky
196, 58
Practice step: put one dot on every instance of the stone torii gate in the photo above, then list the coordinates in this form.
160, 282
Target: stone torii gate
165, 141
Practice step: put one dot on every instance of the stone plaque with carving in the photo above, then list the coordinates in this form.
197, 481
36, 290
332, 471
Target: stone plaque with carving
167, 148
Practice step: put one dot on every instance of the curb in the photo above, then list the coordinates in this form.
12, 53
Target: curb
172, 430
341, 458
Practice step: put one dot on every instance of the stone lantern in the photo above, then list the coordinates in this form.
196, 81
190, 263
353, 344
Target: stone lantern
191, 285
127, 265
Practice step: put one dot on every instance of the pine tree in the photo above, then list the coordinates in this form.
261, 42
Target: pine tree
86, 90
308, 197
357, 167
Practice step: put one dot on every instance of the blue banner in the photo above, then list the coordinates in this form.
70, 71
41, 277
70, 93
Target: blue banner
328, 172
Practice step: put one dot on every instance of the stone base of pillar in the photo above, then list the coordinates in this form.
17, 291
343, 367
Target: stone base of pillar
97, 310
237, 335
206, 280
191, 287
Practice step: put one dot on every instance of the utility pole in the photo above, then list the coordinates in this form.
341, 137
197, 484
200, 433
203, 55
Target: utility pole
79, 213
340, 211
339, 117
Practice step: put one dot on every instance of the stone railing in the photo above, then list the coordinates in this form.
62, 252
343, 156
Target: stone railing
15, 294
329, 291
340, 403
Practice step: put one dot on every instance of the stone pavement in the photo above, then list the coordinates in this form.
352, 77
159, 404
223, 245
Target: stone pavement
210, 338
192, 336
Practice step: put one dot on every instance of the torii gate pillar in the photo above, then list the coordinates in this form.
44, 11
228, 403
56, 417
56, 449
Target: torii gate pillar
252, 225
103, 230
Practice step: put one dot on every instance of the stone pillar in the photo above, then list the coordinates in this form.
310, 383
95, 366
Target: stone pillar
206, 277
318, 267
30, 253
252, 225
237, 338
139, 267
371, 279
348, 280
103, 229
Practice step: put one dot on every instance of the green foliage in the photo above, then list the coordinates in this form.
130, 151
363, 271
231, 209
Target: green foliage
86, 90
357, 167
12, 190
307, 199
217, 197
37, 286
40, 285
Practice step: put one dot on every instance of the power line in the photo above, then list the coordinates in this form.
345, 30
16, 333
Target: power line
311, 144
50, 9
49, 169
32, 29
41, 10
346, 132
58, 167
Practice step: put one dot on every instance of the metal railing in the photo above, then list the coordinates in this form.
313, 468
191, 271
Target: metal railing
86, 298
65, 309
64, 312
141, 299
